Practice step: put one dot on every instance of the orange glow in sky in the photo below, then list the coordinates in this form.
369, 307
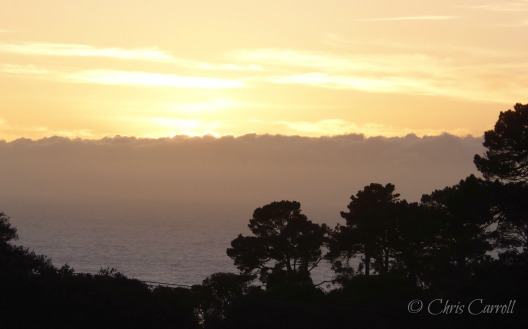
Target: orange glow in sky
162, 68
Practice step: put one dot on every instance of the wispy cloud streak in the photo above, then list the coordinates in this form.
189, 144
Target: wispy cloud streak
141, 54
79, 50
116, 77
389, 85
410, 73
119, 77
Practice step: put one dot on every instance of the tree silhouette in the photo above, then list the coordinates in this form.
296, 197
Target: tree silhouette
36, 294
417, 242
285, 246
7, 232
370, 228
506, 157
215, 295
512, 216
465, 236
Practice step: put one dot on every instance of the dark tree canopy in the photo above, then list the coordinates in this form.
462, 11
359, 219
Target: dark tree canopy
285, 244
514, 212
216, 293
370, 226
506, 157
7, 232
467, 211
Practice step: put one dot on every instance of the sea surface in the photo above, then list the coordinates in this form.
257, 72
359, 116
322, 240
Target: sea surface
171, 250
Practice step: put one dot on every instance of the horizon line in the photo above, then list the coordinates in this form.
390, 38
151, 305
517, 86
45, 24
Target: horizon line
215, 136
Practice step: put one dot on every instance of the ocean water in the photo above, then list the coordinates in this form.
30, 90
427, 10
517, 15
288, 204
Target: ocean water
174, 250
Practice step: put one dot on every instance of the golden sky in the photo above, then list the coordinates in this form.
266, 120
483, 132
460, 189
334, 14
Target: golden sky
92, 68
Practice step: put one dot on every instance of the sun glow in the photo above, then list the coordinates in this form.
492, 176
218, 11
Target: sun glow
170, 127
207, 106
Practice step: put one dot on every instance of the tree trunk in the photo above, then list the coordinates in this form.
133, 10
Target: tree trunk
386, 263
288, 266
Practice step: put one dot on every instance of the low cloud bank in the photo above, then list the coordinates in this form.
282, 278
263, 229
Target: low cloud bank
223, 179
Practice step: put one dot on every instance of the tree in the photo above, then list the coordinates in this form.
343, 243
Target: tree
506, 157
285, 246
216, 294
7, 232
512, 217
370, 228
417, 242
468, 216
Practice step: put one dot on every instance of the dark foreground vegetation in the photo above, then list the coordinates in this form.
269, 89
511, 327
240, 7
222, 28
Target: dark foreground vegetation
457, 259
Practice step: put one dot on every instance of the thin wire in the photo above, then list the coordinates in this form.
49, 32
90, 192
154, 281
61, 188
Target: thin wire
166, 284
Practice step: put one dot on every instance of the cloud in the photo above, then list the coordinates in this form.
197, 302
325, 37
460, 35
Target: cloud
408, 18
496, 77
442, 50
142, 54
25, 70
333, 127
387, 85
117, 77
120, 77
367, 63
80, 50
227, 174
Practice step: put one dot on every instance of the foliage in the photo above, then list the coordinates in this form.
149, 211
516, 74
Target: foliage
506, 157
467, 212
285, 246
215, 295
35, 294
7, 232
370, 228
512, 217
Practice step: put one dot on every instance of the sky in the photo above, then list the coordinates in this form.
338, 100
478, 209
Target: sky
91, 68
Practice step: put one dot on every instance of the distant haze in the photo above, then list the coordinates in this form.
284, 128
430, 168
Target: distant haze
225, 178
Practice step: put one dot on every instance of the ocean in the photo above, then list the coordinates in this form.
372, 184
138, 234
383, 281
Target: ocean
172, 250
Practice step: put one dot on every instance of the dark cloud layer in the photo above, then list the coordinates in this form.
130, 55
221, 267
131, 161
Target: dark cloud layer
225, 178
